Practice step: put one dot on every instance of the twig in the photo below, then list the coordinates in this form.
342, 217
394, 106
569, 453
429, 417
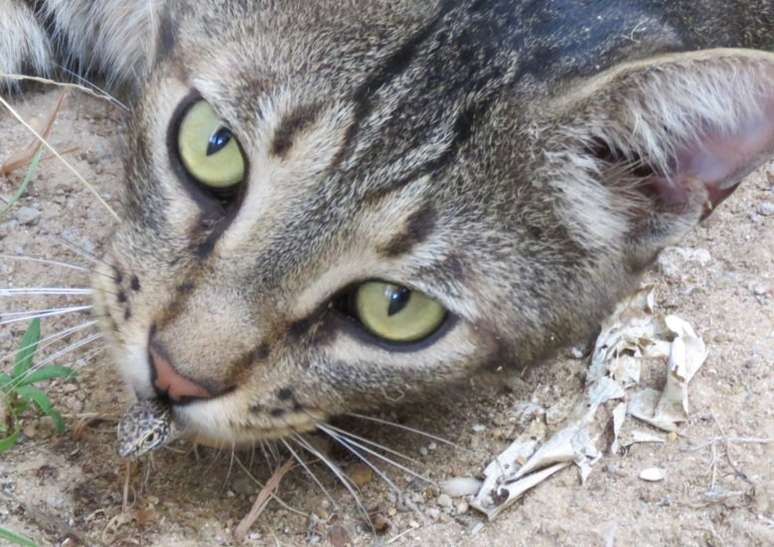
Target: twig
262, 500
59, 156
79, 87
23, 158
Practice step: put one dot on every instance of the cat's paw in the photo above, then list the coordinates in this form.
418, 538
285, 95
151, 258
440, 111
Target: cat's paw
25, 48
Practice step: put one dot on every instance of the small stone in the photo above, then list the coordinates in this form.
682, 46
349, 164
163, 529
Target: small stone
432, 446
652, 474
460, 486
8, 228
392, 512
760, 289
444, 500
30, 430
244, 486
462, 507
434, 513
413, 524
423, 451
380, 523
674, 261
338, 536
360, 474
28, 215
766, 208
478, 428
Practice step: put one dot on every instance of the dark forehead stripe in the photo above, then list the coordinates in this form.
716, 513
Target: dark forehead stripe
292, 124
393, 66
418, 227
167, 34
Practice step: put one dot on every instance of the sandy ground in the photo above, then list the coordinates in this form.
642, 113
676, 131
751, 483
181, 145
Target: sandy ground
68, 489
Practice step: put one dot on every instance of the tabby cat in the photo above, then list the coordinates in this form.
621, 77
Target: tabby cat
331, 205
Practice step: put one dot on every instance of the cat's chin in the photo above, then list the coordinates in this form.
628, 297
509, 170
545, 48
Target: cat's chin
218, 423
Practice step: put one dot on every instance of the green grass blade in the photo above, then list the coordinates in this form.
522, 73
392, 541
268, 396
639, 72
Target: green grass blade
25, 182
41, 400
4, 380
9, 442
34, 395
16, 539
45, 373
29, 345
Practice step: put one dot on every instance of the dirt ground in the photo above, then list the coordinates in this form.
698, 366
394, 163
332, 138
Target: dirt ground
68, 489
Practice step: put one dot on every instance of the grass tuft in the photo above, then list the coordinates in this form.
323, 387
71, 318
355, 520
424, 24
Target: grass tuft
18, 392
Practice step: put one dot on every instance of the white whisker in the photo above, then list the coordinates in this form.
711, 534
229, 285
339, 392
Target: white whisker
308, 471
407, 428
366, 461
385, 459
10, 314
61, 311
48, 340
92, 353
59, 263
68, 349
45, 291
374, 444
266, 455
95, 89
80, 251
351, 488
45, 261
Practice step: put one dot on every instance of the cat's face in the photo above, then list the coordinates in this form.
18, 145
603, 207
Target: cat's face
321, 217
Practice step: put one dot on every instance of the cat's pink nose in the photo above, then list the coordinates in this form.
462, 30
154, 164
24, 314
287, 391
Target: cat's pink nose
167, 381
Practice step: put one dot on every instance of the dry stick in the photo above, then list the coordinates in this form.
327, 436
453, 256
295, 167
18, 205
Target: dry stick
23, 157
72, 169
262, 500
98, 94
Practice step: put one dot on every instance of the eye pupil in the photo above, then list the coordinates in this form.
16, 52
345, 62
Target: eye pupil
218, 140
398, 297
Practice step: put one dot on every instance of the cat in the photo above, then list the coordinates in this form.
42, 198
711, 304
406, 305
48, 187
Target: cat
331, 205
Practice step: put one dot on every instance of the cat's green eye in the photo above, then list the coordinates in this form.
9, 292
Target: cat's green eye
396, 313
208, 150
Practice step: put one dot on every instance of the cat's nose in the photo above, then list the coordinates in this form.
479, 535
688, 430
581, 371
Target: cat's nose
169, 382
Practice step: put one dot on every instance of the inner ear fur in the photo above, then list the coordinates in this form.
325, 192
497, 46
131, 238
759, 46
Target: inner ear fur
672, 136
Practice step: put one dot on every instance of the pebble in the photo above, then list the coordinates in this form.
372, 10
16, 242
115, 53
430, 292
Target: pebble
244, 486
360, 474
30, 430
444, 500
28, 215
8, 228
674, 261
462, 507
460, 486
760, 289
766, 208
478, 428
652, 474
434, 513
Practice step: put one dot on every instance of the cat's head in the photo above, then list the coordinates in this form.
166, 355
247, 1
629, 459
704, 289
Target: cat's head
323, 217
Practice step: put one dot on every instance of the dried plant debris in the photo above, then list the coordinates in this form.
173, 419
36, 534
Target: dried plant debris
634, 335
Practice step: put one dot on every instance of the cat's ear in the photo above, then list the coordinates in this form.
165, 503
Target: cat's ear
24, 45
672, 137
118, 39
